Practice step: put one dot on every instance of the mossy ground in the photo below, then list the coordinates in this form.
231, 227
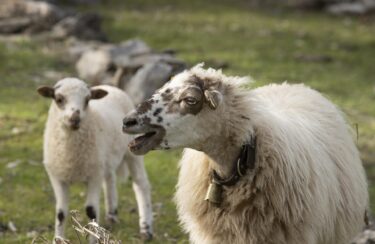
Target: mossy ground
270, 45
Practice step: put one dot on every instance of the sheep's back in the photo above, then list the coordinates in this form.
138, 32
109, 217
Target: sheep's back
315, 156
110, 112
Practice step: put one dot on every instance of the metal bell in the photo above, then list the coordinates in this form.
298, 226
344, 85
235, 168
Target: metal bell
213, 194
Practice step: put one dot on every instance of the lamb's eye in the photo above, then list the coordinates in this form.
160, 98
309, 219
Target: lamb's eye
60, 100
191, 100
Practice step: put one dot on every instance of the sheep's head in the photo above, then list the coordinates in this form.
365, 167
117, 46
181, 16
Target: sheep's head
183, 113
71, 97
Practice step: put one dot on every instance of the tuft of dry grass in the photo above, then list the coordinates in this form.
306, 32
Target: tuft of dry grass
91, 231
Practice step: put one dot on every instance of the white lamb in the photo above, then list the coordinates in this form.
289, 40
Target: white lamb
275, 164
83, 143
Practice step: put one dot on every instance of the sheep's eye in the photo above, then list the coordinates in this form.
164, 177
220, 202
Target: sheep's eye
191, 100
60, 100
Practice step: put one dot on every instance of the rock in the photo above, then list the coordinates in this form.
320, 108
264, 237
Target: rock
83, 26
27, 16
13, 164
14, 25
12, 227
77, 47
129, 49
131, 65
84, 1
147, 79
137, 61
93, 64
35, 9
358, 7
32, 234
15, 131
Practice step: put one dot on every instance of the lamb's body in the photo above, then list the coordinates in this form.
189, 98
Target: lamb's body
96, 148
83, 142
308, 185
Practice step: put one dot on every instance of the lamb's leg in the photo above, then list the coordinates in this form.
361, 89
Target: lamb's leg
93, 198
110, 196
93, 202
61, 191
142, 190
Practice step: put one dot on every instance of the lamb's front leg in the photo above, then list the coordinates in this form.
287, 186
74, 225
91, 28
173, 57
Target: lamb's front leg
93, 202
142, 191
61, 191
110, 196
93, 198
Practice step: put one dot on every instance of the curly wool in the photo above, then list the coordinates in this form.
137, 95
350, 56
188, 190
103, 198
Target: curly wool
308, 185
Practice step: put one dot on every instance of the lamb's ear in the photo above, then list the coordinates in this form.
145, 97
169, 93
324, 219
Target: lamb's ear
213, 98
98, 93
46, 91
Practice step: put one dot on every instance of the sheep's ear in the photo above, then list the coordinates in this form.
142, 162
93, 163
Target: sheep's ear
213, 97
98, 93
46, 91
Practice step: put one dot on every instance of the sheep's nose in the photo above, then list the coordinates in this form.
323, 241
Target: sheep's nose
129, 122
75, 120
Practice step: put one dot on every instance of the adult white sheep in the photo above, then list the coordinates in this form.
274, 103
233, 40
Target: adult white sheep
83, 143
277, 164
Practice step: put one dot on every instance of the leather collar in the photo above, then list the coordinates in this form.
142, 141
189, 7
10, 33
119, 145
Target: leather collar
245, 161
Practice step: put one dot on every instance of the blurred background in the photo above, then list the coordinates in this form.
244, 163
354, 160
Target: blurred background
138, 45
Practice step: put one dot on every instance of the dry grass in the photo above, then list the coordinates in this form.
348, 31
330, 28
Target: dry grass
92, 232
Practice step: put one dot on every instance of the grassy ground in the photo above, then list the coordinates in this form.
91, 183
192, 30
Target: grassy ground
271, 46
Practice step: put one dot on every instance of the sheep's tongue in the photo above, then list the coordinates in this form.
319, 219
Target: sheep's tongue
137, 143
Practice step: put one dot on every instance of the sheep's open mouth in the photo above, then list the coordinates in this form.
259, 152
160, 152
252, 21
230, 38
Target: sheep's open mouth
147, 142
140, 140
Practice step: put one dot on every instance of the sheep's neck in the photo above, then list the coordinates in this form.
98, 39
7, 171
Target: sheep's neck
223, 158
224, 148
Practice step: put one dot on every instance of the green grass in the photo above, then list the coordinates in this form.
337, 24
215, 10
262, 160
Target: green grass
257, 42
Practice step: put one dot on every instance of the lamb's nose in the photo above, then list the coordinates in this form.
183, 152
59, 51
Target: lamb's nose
129, 122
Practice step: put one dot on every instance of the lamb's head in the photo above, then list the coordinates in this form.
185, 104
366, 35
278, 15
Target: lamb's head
185, 112
71, 97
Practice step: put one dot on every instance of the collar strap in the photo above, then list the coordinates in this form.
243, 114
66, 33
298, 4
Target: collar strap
245, 161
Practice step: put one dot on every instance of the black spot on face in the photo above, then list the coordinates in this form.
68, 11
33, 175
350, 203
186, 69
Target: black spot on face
160, 119
157, 111
60, 216
146, 120
144, 107
90, 212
